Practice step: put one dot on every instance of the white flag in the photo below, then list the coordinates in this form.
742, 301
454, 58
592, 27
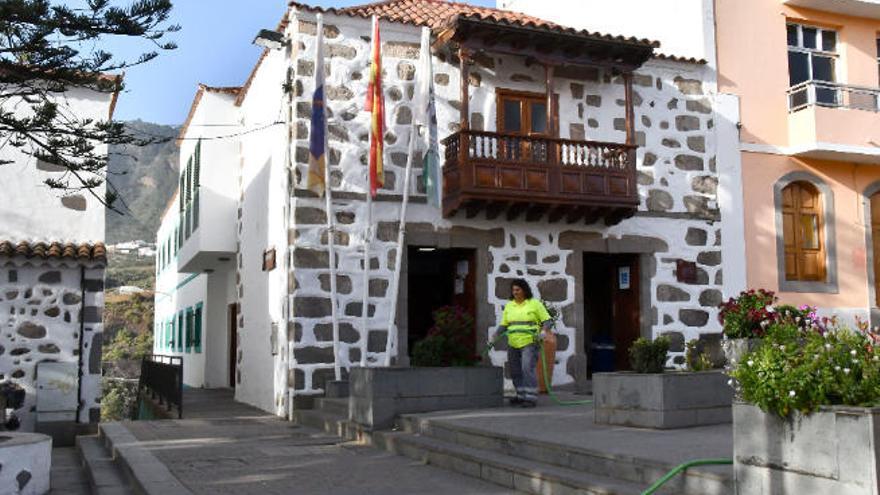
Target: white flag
426, 116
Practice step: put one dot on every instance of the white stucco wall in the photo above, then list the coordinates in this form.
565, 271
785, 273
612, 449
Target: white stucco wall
33, 212
262, 226
684, 28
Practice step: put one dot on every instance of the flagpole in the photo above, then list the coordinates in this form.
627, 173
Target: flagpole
331, 226
368, 229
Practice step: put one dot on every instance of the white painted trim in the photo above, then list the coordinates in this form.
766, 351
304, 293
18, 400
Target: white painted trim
801, 149
730, 195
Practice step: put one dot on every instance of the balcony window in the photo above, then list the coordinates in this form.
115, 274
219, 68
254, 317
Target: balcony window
812, 62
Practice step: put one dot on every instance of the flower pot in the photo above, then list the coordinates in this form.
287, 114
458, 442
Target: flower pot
735, 349
550, 354
833, 450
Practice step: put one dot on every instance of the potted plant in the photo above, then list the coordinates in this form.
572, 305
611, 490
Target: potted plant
443, 376
652, 397
808, 419
744, 320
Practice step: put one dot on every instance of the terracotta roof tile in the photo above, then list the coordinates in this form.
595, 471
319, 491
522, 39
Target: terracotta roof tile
55, 250
439, 13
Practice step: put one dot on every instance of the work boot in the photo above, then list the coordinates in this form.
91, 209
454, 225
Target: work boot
514, 401
527, 403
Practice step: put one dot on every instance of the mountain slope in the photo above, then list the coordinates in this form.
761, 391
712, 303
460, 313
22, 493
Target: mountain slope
145, 178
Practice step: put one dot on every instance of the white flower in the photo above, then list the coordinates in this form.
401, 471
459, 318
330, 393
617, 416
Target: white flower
791, 393
797, 320
837, 368
730, 382
750, 362
855, 361
828, 346
846, 370
852, 352
781, 347
876, 358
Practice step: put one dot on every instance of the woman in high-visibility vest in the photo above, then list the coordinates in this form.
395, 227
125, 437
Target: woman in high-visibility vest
523, 319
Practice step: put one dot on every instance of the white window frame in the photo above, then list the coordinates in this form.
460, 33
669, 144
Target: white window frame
818, 51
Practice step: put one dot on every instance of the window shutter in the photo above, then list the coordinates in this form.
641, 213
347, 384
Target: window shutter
197, 330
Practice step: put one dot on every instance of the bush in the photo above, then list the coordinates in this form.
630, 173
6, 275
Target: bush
696, 358
648, 356
450, 342
119, 399
747, 315
797, 369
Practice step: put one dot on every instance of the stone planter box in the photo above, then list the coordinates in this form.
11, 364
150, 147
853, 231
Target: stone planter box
834, 451
378, 395
662, 400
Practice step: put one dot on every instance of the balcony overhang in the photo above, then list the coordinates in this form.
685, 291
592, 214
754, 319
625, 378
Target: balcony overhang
546, 45
836, 152
857, 8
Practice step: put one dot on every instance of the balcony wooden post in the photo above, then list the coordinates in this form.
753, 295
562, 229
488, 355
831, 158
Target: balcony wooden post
630, 130
464, 144
630, 113
464, 70
552, 130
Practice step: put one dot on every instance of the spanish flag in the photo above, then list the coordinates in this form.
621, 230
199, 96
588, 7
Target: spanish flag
315, 181
376, 106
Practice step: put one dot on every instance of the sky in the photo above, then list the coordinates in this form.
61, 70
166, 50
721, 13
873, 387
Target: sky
214, 47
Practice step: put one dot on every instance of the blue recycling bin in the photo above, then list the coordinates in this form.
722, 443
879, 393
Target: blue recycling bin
603, 357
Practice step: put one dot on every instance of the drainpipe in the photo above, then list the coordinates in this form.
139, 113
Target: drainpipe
82, 327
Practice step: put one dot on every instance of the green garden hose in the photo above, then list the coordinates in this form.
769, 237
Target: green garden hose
681, 467
657, 484
546, 376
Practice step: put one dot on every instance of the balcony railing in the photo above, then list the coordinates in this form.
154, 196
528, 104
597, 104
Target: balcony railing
833, 95
543, 172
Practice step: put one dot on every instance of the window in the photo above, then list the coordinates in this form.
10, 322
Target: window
802, 225
189, 330
197, 329
180, 332
812, 56
269, 260
522, 114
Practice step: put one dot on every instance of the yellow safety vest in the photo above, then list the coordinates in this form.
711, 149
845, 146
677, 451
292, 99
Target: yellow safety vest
523, 321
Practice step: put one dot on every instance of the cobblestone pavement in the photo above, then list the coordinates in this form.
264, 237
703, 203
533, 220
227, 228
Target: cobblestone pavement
252, 452
67, 476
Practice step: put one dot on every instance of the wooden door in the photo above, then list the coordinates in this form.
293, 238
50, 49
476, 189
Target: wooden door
232, 313
523, 114
625, 309
875, 236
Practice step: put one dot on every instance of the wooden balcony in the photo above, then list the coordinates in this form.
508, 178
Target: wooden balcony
575, 180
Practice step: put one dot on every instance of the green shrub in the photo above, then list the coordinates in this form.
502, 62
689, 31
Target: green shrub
799, 370
450, 342
696, 358
648, 356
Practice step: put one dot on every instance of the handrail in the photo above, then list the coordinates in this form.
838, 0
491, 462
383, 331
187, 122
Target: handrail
162, 376
455, 135
832, 95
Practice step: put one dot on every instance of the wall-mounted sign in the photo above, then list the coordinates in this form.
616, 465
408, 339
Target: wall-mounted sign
623, 281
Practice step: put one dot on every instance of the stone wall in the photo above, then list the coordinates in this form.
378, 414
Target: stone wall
43, 307
677, 218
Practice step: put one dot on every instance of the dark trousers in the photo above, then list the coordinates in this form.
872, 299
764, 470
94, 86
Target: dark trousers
523, 371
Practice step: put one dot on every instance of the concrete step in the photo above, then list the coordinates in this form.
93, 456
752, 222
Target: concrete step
709, 480
143, 471
338, 407
509, 471
105, 477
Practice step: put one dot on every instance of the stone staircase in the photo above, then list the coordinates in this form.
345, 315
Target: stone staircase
517, 463
117, 465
